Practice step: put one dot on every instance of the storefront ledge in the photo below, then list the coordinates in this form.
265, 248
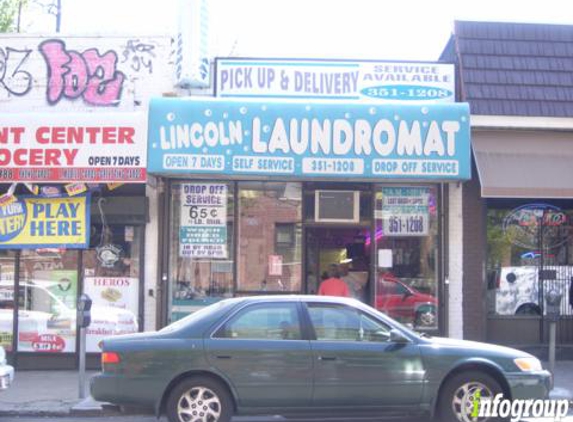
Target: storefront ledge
513, 317
39, 409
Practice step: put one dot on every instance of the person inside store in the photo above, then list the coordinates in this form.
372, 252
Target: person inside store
334, 285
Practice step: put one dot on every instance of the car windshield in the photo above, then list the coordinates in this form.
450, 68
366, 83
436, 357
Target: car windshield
174, 326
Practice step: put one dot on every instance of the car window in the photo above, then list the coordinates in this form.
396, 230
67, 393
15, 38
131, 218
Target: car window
400, 289
274, 321
342, 323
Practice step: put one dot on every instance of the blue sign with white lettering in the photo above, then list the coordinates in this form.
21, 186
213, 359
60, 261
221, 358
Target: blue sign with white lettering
309, 139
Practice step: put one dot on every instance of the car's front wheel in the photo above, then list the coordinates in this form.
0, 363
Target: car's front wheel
199, 399
460, 398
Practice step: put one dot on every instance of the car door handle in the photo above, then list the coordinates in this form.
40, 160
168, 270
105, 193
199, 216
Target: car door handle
327, 358
223, 357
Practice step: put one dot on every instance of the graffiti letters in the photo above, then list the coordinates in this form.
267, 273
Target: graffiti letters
139, 55
88, 75
15, 80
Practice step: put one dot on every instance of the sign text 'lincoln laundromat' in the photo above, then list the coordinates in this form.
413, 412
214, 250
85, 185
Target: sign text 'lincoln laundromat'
331, 140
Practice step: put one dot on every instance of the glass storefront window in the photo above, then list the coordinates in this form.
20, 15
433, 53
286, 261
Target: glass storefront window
529, 253
201, 245
7, 275
48, 286
111, 269
406, 240
270, 235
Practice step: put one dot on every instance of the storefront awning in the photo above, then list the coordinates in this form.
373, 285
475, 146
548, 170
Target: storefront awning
524, 164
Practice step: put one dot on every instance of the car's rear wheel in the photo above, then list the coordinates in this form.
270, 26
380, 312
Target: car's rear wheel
460, 397
199, 399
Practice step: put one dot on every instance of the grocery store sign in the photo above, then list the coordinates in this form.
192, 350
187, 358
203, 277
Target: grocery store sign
331, 140
33, 222
379, 81
67, 147
405, 211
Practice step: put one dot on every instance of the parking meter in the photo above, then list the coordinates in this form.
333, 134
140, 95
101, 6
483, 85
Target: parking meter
84, 311
553, 304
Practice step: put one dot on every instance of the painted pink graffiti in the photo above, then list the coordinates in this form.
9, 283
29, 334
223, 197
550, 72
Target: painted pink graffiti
88, 75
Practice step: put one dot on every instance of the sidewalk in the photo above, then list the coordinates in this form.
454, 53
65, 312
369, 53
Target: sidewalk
55, 393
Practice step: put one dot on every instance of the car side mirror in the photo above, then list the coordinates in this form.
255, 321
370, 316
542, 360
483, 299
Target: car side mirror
396, 336
407, 294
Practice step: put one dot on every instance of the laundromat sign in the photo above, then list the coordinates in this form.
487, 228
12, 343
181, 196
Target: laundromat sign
33, 222
309, 139
379, 81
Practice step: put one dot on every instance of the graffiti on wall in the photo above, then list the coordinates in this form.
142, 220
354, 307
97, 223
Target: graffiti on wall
89, 75
88, 72
13, 78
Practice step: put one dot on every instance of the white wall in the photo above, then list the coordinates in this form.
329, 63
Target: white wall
455, 262
39, 71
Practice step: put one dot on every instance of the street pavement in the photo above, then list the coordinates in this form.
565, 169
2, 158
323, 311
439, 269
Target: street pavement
54, 395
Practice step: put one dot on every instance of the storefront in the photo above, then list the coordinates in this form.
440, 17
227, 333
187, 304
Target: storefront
263, 196
517, 209
73, 196
68, 245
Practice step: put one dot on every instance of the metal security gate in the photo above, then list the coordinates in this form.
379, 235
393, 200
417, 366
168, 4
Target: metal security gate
556, 280
555, 273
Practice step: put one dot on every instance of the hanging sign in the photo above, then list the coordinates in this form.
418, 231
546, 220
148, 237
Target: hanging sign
33, 222
203, 230
300, 139
405, 211
339, 80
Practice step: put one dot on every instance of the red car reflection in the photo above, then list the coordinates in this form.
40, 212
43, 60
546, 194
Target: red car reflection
405, 303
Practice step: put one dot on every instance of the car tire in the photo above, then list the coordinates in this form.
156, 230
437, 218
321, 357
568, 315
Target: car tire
528, 309
199, 398
459, 392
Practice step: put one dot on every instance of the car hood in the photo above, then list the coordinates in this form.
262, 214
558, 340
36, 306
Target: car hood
476, 348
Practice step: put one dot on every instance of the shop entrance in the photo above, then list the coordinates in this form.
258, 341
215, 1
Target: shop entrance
343, 246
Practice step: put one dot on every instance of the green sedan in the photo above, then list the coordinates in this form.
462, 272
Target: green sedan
307, 355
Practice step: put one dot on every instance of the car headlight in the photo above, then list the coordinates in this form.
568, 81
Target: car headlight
528, 364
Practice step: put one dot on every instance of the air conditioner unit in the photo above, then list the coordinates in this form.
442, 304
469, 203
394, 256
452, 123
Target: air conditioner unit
337, 206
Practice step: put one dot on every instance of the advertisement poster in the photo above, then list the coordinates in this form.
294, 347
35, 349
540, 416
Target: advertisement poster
405, 211
307, 139
114, 310
203, 229
70, 147
339, 80
276, 265
33, 222
64, 287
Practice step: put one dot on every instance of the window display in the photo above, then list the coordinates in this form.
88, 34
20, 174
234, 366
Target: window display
406, 240
111, 279
47, 295
529, 253
201, 245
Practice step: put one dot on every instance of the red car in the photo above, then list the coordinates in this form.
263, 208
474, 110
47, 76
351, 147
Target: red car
405, 303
